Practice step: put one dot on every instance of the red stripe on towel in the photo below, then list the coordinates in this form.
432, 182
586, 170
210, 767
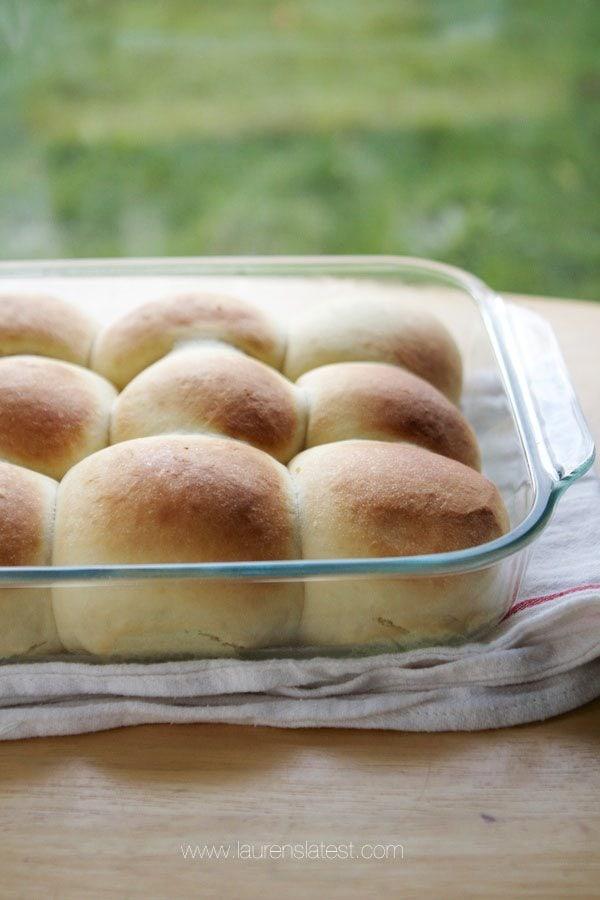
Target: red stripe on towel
536, 601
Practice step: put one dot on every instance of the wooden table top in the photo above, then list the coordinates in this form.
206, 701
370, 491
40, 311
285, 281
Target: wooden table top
509, 813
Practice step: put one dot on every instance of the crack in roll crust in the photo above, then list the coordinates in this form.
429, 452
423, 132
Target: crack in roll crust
176, 499
383, 402
52, 413
44, 326
378, 331
206, 388
149, 332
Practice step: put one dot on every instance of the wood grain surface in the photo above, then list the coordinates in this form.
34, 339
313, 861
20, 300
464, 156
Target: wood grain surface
509, 813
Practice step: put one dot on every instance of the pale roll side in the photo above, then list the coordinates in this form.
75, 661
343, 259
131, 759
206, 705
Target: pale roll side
27, 502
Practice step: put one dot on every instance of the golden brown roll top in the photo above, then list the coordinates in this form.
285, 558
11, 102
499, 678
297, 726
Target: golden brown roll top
381, 402
149, 332
44, 326
26, 517
187, 498
372, 499
176, 499
52, 414
212, 388
27, 502
381, 330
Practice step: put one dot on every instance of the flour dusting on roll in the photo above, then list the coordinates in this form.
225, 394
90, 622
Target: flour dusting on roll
147, 333
372, 499
27, 502
52, 413
176, 499
213, 388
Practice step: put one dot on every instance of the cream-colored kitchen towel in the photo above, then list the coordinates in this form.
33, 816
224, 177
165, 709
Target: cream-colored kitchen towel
543, 659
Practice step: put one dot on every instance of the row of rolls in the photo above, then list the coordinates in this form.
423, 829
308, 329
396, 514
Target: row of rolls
208, 364
197, 429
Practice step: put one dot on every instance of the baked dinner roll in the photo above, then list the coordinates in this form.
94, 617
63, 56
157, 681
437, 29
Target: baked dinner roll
52, 413
44, 326
149, 332
374, 499
386, 403
213, 388
380, 330
176, 499
26, 520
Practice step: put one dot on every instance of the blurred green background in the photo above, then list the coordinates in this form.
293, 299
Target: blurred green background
463, 130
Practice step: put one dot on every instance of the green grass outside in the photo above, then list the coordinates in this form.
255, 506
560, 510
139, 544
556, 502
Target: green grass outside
460, 130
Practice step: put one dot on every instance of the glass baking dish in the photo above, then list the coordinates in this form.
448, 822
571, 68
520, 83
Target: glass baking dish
517, 395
